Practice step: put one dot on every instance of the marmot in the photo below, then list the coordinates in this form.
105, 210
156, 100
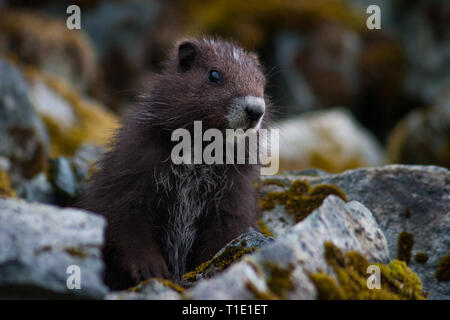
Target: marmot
165, 219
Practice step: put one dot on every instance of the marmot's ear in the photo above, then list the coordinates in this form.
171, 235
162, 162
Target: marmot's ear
186, 55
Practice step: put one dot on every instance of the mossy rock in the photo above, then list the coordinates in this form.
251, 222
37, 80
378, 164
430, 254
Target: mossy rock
93, 123
252, 22
166, 283
300, 199
220, 262
232, 252
45, 42
5, 186
398, 282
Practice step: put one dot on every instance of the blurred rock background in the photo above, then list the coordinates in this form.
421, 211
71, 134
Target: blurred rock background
344, 96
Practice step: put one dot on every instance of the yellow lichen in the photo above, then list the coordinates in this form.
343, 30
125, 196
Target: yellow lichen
300, 199
5, 186
77, 252
222, 261
252, 22
350, 269
260, 295
170, 284
279, 280
265, 230
94, 123
35, 39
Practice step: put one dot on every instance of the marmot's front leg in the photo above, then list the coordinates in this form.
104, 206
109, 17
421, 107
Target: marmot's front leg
214, 233
133, 253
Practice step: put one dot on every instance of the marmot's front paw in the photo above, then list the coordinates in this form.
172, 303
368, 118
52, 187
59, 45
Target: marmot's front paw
146, 265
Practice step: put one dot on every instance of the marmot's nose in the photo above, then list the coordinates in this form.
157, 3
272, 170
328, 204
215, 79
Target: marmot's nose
254, 111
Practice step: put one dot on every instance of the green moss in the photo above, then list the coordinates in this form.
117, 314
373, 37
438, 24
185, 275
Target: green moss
443, 269
77, 252
170, 284
50, 41
94, 125
327, 288
166, 283
300, 199
404, 246
265, 230
260, 295
225, 259
5, 186
397, 280
279, 281
252, 22
421, 257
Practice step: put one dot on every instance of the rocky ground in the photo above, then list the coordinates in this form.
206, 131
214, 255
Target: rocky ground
346, 97
320, 234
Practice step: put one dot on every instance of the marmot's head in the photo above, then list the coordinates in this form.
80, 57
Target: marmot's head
210, 80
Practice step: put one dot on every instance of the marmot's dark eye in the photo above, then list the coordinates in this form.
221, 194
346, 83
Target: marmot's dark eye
215, 76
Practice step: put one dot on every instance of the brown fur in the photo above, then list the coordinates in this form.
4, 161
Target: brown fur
125, 189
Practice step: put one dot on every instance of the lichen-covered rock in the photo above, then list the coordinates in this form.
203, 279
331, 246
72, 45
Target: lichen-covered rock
285, 203
45, 42
152, 289
23, 138
280, 269
6, 190
253, 22
38, 189
85, 159
76, 120
423, 136
234, 250
62, 177
65, 180
415, 199
329, 140
38, 244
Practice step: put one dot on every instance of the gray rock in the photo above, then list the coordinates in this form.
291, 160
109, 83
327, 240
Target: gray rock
120, 26
23, 139
332, 139
84, 159
62, 177
38, 244
300, 250
153, 289
38, 189
415, 199
250, 240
